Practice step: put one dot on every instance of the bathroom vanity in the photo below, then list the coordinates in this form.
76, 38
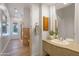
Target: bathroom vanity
56, 49
67, 25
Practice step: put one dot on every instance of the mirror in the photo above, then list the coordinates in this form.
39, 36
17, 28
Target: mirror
65, 18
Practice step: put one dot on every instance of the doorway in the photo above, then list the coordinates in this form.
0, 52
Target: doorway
11, 33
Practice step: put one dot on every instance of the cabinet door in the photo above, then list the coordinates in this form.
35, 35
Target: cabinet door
26, 36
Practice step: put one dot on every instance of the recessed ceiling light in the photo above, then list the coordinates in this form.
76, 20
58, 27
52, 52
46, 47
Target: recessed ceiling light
65, 3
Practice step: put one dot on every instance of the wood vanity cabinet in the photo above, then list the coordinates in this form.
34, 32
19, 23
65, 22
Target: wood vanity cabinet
26, 36
53, 50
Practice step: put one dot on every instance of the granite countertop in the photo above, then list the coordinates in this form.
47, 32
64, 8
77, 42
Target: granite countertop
72, 45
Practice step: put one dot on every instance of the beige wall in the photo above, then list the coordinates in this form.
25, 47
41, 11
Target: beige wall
45, 12
27, 18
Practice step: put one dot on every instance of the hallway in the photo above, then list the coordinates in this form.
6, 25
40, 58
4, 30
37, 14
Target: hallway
16, 48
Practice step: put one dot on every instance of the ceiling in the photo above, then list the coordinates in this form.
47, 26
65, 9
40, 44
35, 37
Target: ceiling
21, 6
27, 5
61, 5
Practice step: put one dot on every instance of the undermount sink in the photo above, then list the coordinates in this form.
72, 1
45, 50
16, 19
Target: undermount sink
63, 42
69, 39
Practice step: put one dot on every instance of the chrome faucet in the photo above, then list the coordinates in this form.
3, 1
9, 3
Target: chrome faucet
61, 38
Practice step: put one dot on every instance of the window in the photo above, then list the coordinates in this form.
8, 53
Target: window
4, 24
15, 27
4, 28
